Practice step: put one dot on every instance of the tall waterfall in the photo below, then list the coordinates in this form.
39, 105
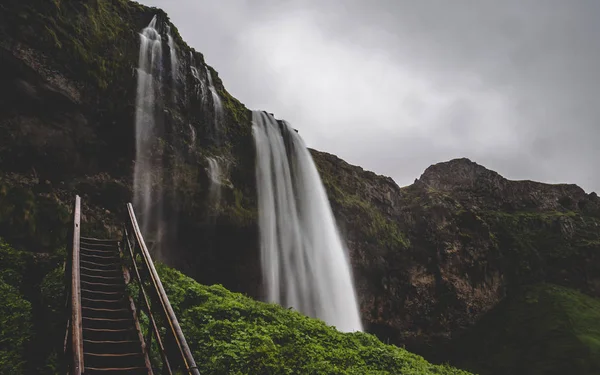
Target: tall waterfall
146, 177
302, 255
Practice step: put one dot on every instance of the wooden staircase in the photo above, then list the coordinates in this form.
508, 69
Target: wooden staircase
111, 339
103, 333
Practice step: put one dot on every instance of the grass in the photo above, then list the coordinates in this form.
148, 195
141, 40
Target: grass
543, 329
229, 333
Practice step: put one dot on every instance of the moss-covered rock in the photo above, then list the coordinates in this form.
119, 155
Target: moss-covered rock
67, 125
456, 242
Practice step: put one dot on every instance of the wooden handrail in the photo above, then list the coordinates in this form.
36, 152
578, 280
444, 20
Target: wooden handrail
76, 328
148, 306
166, 309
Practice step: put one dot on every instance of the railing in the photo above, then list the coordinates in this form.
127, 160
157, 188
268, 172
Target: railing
74, 335
153, 302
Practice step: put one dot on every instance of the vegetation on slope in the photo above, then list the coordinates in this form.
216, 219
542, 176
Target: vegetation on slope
233, 334
544, 329
15, 312
30, 330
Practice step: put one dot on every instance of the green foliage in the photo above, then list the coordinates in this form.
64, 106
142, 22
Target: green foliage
229, 333
13, 265
33, 220
15, 311
52, 311
15, 329
543, 329
31, 314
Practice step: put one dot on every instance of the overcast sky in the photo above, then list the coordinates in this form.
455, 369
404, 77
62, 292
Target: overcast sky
395, 86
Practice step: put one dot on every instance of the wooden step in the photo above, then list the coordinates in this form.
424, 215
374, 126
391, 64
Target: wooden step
107, 334
107, 266
89, 293
103, 286
98, 240
106, 251
111, 342
113, 323
99, 244
91, 270
116, 278
101, 258
118, 370
113, 360
102, 346
108, 313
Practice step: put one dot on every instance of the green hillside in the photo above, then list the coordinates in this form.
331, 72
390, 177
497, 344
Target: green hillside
544, 329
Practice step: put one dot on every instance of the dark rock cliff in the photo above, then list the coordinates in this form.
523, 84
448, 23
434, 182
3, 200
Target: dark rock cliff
67, 104
429, 259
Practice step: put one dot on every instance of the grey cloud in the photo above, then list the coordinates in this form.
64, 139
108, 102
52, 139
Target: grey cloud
397, 85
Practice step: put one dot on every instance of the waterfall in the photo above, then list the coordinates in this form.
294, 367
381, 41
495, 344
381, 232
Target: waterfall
146, 179
214, 172
200, 90
192, 136
173, 53
303, 258
217, 104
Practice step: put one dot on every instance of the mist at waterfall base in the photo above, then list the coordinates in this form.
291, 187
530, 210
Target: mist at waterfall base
303, 259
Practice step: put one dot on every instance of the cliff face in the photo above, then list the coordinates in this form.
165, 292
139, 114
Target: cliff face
429, 259
433, 257
68, 72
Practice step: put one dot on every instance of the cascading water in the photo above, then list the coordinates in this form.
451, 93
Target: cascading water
200, 87
214, 172
173, 54
146, 178
192, 136
303, 259
217, 104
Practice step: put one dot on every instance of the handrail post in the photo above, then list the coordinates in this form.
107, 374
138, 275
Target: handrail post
76, 327
179, 338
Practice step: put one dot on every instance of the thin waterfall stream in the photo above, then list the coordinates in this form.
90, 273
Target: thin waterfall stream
146, 176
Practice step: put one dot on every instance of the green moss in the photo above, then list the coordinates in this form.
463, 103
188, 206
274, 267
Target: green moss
230, 333
537, 241
237, 111
543, 329
375, 228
